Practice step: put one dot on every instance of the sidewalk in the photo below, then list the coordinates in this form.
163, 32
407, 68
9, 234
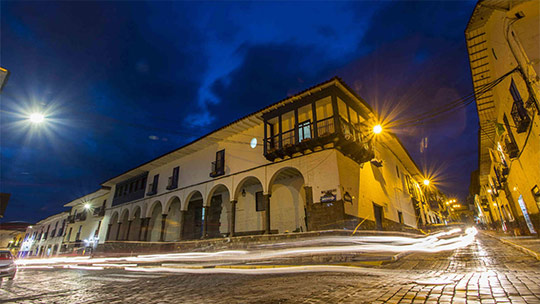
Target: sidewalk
527, 244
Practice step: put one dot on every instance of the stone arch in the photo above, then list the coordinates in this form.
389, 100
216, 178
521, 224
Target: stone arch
219, 208
171, 200
193, 223
154, 225
287, 200
249, 218
136, 221
173, 220
113, 226
152, 207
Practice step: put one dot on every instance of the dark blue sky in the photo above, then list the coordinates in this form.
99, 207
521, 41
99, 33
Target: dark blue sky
124, 82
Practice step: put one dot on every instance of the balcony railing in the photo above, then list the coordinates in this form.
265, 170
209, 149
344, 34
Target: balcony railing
325, 127
151, 190
172, 183
511, 148
218, 168
520, 116
80, 216
348, 139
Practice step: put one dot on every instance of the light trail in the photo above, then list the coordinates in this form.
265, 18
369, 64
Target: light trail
442, 241
259, 271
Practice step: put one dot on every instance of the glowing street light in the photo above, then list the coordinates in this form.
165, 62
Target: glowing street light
377, 129
36, 118
426, 182
87, 206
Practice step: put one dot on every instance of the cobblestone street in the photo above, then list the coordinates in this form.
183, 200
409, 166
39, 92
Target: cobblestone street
486, 272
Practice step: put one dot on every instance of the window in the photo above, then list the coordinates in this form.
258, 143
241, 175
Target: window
400, 217
143, 183
69, 234
78, 238
514, 92
304, 130
259, 201
519, 113
173, 179
397, 171
154, 185
342, 108
511, 147
218, 166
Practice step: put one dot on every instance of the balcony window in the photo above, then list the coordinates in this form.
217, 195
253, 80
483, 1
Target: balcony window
342, 108
326, 127
323, 120
519, 113
152, 188
218, 166
520, 116
173, 179
511, 147
304, 130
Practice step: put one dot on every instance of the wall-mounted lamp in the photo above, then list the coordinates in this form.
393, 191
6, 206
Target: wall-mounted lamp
243, 192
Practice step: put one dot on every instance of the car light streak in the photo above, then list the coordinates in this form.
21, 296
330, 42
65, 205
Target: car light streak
258, 271
441, 241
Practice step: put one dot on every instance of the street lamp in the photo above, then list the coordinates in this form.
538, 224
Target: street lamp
426, 182
87, 206
377, 129
36, 118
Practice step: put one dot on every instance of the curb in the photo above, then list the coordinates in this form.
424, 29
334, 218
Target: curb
528, 251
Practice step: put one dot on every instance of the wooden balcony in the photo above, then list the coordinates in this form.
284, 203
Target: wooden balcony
311, 136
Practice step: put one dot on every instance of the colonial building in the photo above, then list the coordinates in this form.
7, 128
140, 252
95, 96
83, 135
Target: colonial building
308, 162
45, 238
84, 222
504, 53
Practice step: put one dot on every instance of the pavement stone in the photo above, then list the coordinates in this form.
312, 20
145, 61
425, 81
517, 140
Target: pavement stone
487, 271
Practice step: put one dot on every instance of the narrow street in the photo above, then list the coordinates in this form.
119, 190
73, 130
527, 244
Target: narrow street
486, 272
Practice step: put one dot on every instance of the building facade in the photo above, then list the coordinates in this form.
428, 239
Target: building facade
504, 53
309, 162
44, 239
84, 222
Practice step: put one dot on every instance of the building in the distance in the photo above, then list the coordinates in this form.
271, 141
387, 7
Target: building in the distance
44, 239
12, 235
308, 162
84, 222
504, 53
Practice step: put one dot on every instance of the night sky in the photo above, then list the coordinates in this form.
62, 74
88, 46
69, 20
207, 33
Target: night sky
124, 82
